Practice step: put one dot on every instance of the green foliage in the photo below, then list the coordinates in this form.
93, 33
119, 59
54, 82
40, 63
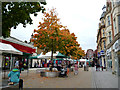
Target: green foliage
14, 13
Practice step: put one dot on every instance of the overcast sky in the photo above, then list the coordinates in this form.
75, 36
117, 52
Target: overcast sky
80, 16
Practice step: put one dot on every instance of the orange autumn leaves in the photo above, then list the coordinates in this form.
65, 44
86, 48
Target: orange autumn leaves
51, 35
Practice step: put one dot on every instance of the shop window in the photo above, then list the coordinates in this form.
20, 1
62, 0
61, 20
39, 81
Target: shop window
103, 33
108, 20
104, 44
115, 30
110, 56
119, 22
110, 38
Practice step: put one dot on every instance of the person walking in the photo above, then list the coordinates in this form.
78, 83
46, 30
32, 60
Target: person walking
14, 77
75, 69
20, 66
17, 63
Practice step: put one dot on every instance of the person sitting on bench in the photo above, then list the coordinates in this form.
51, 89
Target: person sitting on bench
63, 72
14, 76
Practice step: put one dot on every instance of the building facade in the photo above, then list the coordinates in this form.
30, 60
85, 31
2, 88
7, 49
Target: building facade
101, 40
89, 54
112, 37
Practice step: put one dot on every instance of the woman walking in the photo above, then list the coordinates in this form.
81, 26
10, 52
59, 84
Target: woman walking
75, 69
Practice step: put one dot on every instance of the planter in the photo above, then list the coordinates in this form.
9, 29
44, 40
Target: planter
49, 74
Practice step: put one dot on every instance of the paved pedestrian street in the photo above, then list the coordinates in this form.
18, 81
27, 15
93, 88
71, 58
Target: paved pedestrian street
81, 80
104, 79
85, 79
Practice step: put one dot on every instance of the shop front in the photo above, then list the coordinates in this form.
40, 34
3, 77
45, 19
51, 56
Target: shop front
26, 49
103, 63
116, 48
109, 59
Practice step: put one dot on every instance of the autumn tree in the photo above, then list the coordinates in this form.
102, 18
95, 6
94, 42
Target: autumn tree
14, 13
69, 43
52, 36
47, 36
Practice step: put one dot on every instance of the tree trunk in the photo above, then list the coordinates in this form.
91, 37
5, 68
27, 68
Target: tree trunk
52, 57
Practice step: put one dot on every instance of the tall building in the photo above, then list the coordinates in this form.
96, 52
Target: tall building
101, 39
110, 44
89, 54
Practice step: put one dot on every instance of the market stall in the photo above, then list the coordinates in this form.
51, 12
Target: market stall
7, 52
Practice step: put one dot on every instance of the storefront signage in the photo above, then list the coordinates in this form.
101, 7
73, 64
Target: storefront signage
102, 52
108, 51
116, 46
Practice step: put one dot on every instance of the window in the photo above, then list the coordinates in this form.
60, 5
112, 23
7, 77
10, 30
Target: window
104, 44
115, 30
118, 3
108, 20
102, 22
110, 38
119, 22
110, 56
103, 33
113, 3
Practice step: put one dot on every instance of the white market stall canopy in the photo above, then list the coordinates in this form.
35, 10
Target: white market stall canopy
84, 60
7, 48
48, 55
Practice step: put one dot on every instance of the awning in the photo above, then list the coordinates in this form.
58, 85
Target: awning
6, 48
19, 47
34, 57
83, 60
58, 59
60, 55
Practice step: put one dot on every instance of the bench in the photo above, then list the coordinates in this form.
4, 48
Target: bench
16, 85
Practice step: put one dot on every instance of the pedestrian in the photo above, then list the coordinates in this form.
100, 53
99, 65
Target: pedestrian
63, 72
58, 67
20, 66
43, 64
75, 69
35, 64
17, 63
102, 68
87, 66
96, 66
14, 77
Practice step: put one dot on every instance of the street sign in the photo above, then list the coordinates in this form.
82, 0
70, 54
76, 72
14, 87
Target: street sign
98, 54
102, 52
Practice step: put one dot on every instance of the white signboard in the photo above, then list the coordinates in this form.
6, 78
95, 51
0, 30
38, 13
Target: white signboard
108, 51
116, 46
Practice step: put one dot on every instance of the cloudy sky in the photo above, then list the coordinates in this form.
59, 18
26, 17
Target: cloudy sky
80, 17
